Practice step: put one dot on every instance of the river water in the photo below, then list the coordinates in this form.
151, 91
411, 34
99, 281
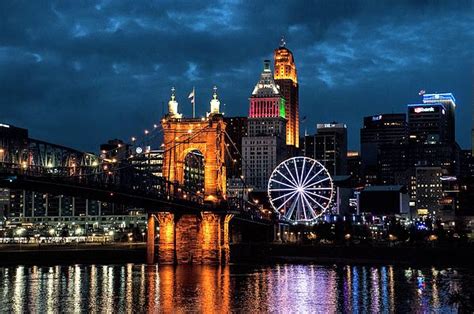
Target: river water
282, 288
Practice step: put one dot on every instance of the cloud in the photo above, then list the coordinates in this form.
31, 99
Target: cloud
79, 73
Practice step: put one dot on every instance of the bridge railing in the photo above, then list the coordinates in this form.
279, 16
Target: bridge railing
107, 176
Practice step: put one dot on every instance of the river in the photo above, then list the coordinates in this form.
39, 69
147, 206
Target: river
281, 288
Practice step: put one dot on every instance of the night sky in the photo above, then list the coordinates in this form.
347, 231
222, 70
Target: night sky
78, 73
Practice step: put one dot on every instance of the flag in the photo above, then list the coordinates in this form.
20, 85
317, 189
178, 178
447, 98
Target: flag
422, 92
191, 96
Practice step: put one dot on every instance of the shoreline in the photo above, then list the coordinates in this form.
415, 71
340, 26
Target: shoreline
245, 253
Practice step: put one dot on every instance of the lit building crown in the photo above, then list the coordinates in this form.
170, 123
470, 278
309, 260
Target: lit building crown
439, 98
285, 67
266, 86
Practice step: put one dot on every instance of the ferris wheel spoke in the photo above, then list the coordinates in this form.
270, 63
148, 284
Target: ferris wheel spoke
324, 197
318, 189
284, 177
286, 201
296, 172
274, 180
282, 190
317, 203
295, 182
289, 213
317, 173
302, 206
282, 196
309, 172
313, 213
320, 181
302, 172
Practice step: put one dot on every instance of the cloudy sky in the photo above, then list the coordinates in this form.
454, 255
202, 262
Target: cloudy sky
80, 72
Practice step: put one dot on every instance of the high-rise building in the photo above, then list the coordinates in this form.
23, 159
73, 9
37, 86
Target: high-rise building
236, 128
432, 121
380, 130
287, 79
149, 161
329, 147
354, 168
265, 144
426, 190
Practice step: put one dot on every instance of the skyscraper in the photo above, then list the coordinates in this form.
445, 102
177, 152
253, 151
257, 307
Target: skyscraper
286, 78
378, 130
432, 121
264, 147
329, 147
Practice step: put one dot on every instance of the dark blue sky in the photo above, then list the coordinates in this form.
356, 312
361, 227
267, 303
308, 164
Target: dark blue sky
80, 72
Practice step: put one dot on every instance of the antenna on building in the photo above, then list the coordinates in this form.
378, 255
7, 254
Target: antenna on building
282, 42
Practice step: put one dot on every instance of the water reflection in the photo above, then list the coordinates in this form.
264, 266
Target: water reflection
279, 288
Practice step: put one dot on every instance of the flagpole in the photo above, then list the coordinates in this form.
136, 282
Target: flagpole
194, 103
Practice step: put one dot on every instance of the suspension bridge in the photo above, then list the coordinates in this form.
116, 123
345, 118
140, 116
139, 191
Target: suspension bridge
193, 219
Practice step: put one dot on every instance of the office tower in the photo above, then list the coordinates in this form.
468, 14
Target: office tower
287, 79
426, 190
432, 121
380, 130
149, 161
265, 144
354, 168
329, 147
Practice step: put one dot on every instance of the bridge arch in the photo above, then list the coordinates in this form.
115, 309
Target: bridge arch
194, 166
182, 136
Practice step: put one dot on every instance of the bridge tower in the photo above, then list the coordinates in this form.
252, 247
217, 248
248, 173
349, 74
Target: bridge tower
201, 236
206, 136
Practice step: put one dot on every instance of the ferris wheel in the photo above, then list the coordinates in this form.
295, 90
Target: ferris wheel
300, 189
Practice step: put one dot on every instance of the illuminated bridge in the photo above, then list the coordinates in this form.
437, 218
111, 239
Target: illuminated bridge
193, 216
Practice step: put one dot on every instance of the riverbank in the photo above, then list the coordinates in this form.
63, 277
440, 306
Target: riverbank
461, 256
254, 253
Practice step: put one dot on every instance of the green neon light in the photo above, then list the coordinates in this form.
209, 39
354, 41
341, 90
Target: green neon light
282, 108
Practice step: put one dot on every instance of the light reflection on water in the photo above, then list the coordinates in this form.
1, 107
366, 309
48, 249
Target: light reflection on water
278, 288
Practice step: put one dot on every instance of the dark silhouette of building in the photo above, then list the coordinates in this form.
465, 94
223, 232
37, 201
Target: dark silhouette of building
379, 130
236, 129
329, 147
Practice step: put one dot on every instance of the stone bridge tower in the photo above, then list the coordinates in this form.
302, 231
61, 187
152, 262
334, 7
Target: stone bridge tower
200, 236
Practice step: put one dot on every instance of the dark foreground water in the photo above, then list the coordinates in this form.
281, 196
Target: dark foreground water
277, 288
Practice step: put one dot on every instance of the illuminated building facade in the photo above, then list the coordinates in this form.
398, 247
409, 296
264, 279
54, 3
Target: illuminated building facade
150, 161
426, 191
432, 121
265, 145
266, 100
287, 79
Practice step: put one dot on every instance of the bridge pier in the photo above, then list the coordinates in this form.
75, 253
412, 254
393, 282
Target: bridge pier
201, 238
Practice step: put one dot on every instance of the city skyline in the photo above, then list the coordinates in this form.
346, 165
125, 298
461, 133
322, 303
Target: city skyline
103, 71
